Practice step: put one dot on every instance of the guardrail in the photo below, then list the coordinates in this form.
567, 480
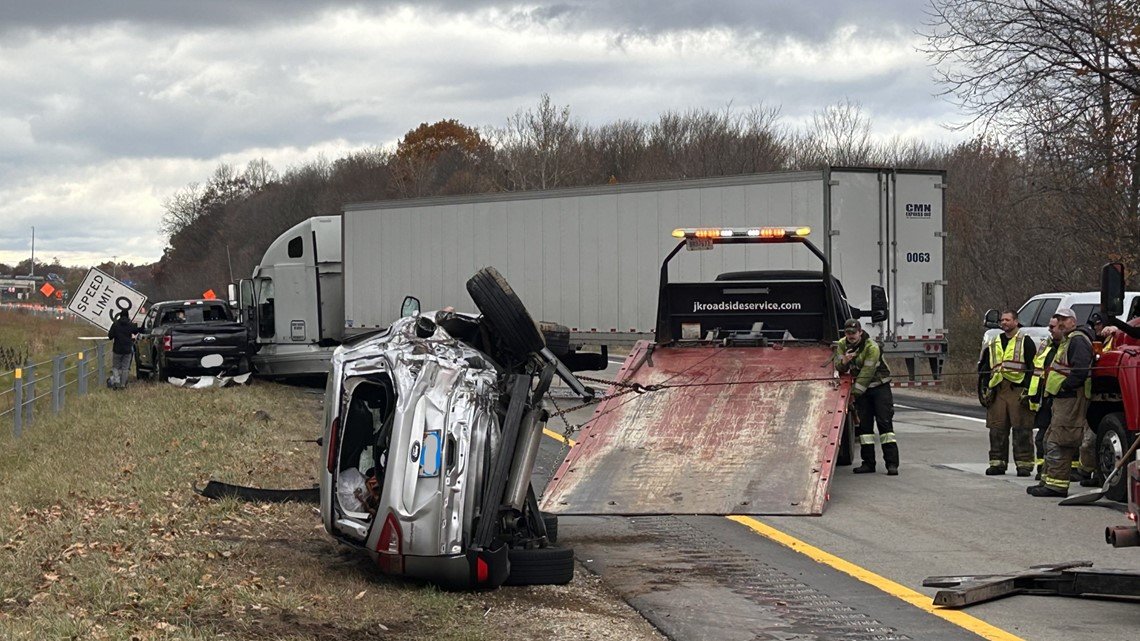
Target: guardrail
48, 381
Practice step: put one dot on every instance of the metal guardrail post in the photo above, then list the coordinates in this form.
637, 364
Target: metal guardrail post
62, 381
101, 372
81, 373
18, 407
57, 388
30, 394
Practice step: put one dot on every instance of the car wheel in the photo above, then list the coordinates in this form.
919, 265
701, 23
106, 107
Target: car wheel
557, 337
551, 523
160, 372
541, 566
1111, 443
506, 314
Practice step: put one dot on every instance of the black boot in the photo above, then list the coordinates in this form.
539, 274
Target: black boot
994, 470
865, 468
891, 458
1044, 490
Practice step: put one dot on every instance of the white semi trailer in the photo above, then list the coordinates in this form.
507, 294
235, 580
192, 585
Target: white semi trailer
589, 257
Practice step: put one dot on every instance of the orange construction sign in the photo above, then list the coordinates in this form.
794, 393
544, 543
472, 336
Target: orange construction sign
47, 290
209, 294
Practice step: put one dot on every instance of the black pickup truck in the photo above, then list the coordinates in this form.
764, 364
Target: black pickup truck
181, 337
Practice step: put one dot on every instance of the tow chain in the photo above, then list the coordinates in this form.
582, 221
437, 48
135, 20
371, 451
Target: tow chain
625, 388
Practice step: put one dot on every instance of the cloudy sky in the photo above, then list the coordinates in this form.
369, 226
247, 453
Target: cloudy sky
108, 107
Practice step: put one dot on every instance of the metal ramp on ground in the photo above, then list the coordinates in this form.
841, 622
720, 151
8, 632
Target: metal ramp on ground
751, 430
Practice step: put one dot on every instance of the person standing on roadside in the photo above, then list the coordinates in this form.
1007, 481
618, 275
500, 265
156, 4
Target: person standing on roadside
1070, 384
1040, 405
122, 333
1007, 360
874, 403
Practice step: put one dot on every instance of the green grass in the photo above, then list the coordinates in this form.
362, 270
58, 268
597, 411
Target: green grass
103, 537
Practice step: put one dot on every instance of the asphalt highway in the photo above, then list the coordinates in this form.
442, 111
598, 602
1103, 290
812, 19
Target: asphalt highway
856, 572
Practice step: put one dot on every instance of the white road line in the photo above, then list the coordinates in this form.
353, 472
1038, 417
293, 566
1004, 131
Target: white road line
964, 418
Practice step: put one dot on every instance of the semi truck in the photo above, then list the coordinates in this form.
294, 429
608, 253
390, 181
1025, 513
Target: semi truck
588, 258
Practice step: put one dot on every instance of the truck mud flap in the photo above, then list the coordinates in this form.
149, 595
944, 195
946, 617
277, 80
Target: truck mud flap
219, 490
749, 431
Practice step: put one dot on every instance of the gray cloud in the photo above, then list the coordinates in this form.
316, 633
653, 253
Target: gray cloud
108, 108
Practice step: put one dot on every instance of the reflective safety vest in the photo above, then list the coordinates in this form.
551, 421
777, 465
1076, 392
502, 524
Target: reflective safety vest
868, 367
1039, 363
1007, 364
1060, 369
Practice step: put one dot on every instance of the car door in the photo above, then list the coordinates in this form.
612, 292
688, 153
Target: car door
144, 344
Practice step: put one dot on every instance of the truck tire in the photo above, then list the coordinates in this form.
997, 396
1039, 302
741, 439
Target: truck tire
551, 523
541, 566
845, 452
557, 337
501, 307
1111, 442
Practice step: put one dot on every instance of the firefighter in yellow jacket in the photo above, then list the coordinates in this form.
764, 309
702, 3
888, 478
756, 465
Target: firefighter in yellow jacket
1040, 405
874, 404
1070, 384
1007, 361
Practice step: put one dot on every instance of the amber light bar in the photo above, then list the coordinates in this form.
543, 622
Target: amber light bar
759, 233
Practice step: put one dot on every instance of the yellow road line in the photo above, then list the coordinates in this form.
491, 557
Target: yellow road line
558, 437
917, 599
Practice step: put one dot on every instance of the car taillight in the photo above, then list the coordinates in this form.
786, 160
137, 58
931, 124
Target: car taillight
167, 343
482, 570
334, 440
388, 547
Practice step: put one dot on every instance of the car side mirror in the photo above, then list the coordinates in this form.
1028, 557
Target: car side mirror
990, 320
1112, 289
411, 307
880, 306
232, 295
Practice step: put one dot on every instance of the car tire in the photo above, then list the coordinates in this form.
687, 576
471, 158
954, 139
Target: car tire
556, 337
1111, 442
551, 523
541, 566
502, 308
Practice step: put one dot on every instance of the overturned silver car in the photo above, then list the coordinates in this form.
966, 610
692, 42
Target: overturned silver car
431, 431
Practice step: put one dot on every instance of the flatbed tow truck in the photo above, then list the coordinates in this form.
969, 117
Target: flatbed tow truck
738, 409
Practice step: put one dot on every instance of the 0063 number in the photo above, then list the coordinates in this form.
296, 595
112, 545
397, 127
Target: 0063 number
918, 257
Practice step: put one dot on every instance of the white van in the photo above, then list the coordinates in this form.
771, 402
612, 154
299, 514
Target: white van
1034, 315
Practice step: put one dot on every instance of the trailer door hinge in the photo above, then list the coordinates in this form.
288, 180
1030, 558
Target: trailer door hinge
833, 232
832, 183
941, 185
941, 234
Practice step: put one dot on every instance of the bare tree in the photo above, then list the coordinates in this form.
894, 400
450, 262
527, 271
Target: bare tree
839, 134
1062, 79
538, 147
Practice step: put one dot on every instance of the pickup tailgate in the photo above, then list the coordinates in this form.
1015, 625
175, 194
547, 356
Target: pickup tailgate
752, 430
208, 338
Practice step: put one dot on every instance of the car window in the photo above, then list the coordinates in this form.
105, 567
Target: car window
1135, 309
1048, 306
1084, 310
1028, 312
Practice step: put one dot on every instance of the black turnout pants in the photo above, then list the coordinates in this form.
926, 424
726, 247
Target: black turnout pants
874, 407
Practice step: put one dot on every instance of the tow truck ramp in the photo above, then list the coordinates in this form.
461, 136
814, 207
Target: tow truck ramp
744, 430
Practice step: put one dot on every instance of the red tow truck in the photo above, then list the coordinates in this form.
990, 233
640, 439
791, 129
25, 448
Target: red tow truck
1116, 401
734, 407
